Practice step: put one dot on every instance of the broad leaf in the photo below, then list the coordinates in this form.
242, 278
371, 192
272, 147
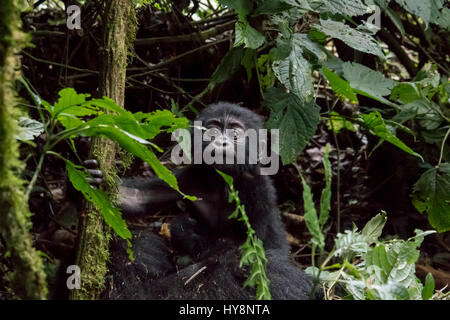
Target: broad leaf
373, 229
358, 40
432, 191
340, 86
105, 125
112, 215
296, 120
247, 35
294, 71
28, 129
311, 219
367, 80
376, 125
419, 8
347, 8
428, 289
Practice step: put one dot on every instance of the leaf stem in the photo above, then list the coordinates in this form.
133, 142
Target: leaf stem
442, 147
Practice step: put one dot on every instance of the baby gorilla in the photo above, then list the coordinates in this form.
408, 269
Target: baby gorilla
207, 236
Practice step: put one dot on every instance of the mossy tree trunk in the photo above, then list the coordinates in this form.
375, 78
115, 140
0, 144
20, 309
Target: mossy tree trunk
93, 254
28, 279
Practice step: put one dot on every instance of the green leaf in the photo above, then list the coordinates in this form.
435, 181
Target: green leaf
294, 71
248, 61
338, 122
375, 124
367, 80
419, 8
422, 111
242, 7
228, 179
428, 289
229, 65
325, 198
340, 86
309, 45
311, 219
347, 8
395, 18
28, 129
105, 125
373, 229
69, 102
432, 190
112, 215
358, 40
270, 7
405, 92
296, 120
247, 35
350, 244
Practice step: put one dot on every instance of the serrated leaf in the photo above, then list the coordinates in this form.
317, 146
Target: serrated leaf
105, 125
375, 123
311, 219
405, 92
112, 215
419, 8
367, 80
248, 36
69, 102
294, 72
350, 244
421, 110
340, 86
373, 229
347, 8
307, 44
296, 120
358, 40
433, 190
271, 7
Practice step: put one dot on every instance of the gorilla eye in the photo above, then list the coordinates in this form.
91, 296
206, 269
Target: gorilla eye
235, 134
213, 131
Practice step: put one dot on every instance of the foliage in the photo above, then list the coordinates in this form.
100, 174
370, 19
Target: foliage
296, 52
315, 223
368, 268
252, 250
80, 116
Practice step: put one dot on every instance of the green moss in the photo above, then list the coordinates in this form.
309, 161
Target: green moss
28, 279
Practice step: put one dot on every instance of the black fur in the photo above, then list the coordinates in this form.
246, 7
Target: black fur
207, 237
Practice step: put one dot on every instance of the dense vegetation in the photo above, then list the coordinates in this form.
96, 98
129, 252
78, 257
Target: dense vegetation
358, 89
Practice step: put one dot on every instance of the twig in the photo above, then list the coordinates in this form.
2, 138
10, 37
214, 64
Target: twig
194, 275
442, 147
57, 64
196, 36
393, 44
